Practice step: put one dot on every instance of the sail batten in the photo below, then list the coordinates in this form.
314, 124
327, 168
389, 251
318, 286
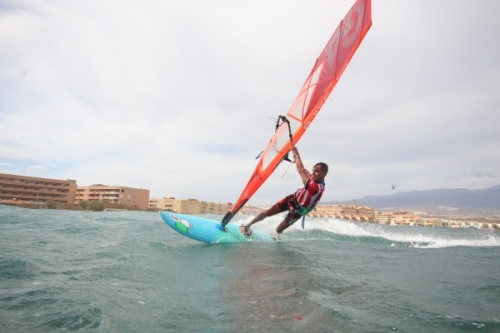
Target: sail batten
323, 77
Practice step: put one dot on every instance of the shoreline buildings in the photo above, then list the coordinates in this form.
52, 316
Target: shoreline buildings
195, 206
189, 206
401, 218
44, 192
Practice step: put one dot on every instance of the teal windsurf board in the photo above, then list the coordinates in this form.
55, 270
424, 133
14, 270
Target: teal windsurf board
206, 230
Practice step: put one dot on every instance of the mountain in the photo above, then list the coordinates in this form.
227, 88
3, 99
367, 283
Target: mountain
481, 202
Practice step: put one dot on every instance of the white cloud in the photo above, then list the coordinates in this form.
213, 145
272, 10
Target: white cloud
176, 97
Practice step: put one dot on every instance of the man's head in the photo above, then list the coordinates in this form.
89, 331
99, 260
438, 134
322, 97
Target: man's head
319, 171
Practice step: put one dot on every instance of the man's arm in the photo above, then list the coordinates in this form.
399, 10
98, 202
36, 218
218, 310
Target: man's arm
304, 174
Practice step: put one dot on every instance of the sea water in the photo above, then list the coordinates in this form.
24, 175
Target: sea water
78, 271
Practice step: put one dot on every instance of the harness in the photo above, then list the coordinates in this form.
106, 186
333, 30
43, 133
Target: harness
304, 210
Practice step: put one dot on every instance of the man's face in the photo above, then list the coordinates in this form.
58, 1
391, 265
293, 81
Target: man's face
317, 173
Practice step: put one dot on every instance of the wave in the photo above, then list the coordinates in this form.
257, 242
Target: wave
385, 235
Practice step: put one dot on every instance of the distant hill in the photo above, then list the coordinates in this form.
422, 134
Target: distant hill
481, 202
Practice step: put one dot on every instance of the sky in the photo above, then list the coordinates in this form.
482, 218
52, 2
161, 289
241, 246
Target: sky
178, 97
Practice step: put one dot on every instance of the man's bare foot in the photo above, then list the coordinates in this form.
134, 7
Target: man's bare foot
245, 230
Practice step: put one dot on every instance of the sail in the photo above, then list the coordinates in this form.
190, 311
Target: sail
322, 79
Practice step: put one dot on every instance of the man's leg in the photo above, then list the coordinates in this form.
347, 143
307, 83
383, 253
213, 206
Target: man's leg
245, 228
289, 219
282, 226
275, 209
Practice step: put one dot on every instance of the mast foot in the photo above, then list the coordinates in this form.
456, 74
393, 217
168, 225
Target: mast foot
221, 227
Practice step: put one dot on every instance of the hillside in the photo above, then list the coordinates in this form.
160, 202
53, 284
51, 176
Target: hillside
483, 202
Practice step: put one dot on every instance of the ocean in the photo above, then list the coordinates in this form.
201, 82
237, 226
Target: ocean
79, 271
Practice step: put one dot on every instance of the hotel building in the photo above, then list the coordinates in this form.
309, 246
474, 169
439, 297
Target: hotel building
120, 195
15, 189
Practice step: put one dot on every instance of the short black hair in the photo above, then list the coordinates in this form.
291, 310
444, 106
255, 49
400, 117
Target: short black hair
323, 166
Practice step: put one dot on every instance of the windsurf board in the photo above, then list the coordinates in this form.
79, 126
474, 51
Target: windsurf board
206, 230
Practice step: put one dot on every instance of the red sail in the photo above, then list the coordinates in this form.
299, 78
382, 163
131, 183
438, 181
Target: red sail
323, 77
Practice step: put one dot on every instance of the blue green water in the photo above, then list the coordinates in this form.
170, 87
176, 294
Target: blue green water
73, 271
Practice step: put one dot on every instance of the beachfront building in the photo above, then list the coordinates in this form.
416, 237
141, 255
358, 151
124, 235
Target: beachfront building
169, 203
405, 218
189, 206
16, 190
366, 214
165, 203
154, 203
334, 211
119, 195
350, 213
383, 217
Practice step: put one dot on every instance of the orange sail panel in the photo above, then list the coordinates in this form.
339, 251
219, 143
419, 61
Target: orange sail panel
324, 75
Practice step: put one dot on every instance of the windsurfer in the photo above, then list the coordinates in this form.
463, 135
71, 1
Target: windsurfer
299, 203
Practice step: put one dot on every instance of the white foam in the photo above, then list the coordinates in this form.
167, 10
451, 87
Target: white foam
419, 237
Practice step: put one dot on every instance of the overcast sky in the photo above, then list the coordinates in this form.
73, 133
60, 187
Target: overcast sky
178, 96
